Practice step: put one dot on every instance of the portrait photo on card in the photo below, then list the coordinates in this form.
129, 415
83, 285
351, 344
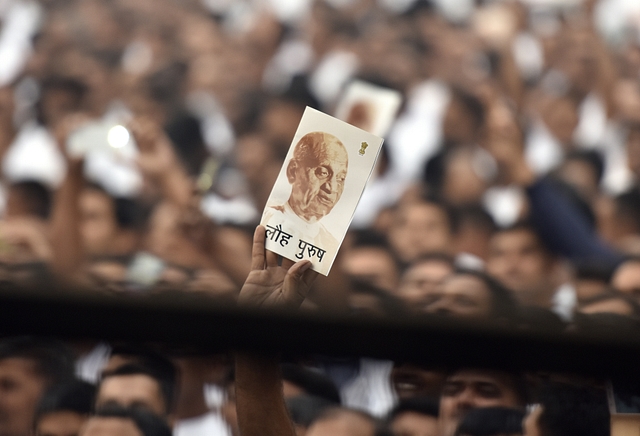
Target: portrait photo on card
318, 188
369, 107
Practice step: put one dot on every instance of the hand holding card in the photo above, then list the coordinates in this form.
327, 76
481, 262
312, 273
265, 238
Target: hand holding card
319, 186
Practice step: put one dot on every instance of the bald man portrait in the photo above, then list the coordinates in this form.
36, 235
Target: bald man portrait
316, 173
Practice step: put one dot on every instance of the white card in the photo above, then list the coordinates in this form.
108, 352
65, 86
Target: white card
369, 107
321, 181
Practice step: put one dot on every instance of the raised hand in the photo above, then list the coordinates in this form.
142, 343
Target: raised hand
156, 153
273, 285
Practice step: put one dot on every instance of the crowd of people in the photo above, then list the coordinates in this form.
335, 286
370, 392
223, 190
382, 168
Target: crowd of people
508, 189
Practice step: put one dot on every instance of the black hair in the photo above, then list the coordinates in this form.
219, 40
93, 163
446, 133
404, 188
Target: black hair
304, 409
592, 158
299, 93
569, 410
36, 196
391, 304
503, 302
76, 396
147, 357
628, 205
186, 136
605, 325
74, 87
593, 270
476, 214
491, 421
165, 377
165, 85
428, 406
434, 257
52, 359
539, 319
129, 213
148, 423
514, 379
448, 209
525, 226
471, 104
312, 382
614, 295
369, 238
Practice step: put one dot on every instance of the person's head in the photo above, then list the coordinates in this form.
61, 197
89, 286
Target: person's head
492, 421
118, 421
583, 170
561, 118
370, 259
423, 278
610, 302
317, 173
567, 410
134, 385
409, 380
469, 389
64, 409
464, 117
591, 279
519, 260
471, 294
341, 421
108, 225
475, 227
59, 97
626, 216
304, 409
298, 380
414, 417
633, 148
28, 367
28, 198
421, 227
626, 277
367, 299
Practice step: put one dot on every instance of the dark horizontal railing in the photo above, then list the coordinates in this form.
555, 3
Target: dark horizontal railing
195, 324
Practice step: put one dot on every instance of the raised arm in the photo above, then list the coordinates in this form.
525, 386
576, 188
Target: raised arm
64, 230
558, 222
259, 399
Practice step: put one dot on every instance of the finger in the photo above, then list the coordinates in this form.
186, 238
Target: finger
308, 277
257, 250
272, 259
295, 289
287, 263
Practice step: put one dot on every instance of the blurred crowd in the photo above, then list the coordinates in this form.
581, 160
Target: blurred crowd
508, 187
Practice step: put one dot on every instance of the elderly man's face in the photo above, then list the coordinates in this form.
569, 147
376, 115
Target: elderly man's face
318, 185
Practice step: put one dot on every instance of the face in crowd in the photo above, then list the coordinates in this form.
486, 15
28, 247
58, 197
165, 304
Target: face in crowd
518, 259
471, 389
21, 387
461, 295
317, 174
422, 280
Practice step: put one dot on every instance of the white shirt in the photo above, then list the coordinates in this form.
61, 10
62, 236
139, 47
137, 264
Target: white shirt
210, 424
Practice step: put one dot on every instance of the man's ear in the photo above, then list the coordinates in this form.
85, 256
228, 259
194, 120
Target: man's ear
291, 170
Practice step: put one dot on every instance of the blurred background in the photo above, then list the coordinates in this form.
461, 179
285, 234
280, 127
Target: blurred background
515, 155
140, 139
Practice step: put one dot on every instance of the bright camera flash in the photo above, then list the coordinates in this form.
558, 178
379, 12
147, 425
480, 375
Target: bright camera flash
118, 136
